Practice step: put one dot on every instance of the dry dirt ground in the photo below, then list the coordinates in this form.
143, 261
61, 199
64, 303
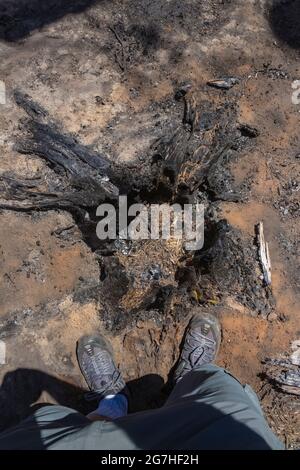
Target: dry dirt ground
108, 71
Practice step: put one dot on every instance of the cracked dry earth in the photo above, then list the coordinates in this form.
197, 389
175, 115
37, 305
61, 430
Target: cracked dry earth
107, 72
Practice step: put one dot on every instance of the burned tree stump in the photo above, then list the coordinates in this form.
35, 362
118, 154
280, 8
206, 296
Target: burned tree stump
189, 163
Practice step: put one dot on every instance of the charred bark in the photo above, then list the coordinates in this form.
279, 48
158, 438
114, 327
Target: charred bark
82, 181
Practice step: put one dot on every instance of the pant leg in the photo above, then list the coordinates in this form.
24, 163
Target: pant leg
48, 425
223, 393
208, 409
211, 380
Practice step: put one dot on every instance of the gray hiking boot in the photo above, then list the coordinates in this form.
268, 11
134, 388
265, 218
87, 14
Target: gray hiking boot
201, 344
95, 358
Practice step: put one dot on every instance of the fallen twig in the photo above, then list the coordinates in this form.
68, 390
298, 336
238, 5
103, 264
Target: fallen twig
121, 64
264, 254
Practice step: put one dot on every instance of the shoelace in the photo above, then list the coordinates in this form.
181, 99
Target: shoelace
101, 363
200, 345
98, 394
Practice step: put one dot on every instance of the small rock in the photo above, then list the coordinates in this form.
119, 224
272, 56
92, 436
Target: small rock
272, 316
224, 83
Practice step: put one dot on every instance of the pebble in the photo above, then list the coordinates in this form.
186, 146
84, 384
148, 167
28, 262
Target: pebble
272, 316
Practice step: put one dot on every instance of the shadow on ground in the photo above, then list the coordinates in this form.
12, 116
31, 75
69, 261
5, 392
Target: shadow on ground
19, 17
23, 391
284, 17
182, 424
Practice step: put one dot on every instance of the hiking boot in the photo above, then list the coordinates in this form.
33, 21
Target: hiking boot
95, 358
201, 344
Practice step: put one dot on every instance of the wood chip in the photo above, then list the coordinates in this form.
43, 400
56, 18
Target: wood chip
264, 255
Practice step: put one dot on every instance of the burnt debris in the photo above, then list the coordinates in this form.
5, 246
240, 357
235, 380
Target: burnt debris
224, 83
190, 163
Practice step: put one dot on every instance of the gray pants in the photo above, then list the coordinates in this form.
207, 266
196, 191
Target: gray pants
208, 409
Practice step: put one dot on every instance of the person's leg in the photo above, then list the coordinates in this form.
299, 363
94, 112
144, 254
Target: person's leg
46, 426
106, 384
222, 396
212, 381
201, 345
51, 425
208, 408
